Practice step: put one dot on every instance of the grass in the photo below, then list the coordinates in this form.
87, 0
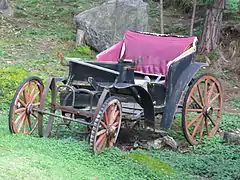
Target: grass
38, 31
236, 103
31, 157
31, 39
229, 122
212, 160
29, 42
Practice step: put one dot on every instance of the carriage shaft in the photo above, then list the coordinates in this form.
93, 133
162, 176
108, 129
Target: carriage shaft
74, 111
63, 117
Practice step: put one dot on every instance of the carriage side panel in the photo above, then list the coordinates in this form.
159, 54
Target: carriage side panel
81, 72
179, 76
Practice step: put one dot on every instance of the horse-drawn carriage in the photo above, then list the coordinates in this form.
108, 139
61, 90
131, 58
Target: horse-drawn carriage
138, 78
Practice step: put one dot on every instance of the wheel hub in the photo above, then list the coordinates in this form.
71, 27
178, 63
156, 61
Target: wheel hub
29, 108
207, 110
110, 130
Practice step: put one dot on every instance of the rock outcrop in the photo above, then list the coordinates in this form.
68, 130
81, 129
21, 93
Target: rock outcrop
5, 8
103, 26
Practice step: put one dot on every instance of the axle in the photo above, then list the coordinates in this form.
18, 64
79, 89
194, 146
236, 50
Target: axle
63, 117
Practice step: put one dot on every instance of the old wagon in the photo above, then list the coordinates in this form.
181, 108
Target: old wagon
140, 77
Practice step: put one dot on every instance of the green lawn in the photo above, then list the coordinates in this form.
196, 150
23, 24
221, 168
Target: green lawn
31, 157
29, 42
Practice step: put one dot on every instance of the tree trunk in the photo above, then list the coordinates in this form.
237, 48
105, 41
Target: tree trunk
212, 26
239, 6
161, 16
193, 16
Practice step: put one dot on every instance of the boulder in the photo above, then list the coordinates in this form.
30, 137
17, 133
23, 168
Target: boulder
103, 26
5, 8
232, 137
165, 141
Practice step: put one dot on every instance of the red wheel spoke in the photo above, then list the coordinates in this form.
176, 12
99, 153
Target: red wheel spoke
103, 124
214, 99
195, 129
22, 102
194, 110
25, 96
20, 110
210, 91
21, 122
115, 116
101, 132
101, 144
196, 101
202, 128
112, 115
101, 137
32, 93
34, 96
19, 117
106, 117
194, 120
200, 94
116, 124
205, 91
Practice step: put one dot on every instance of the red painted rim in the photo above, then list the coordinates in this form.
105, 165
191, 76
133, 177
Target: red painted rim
203, 109
24, 119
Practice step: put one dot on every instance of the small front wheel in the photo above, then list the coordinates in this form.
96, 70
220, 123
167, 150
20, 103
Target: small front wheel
107, 124
202, 108
22, 118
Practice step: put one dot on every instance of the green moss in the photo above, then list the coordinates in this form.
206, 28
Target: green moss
232, 5
230, 121
10, 79
235, 102
83, 52
152, 162
2, 52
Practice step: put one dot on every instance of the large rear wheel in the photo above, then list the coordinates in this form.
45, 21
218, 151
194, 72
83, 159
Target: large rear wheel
202, 108
22, 118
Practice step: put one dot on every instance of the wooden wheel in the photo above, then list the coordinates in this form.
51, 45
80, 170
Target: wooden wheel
106, 126
22, 118
202, 109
